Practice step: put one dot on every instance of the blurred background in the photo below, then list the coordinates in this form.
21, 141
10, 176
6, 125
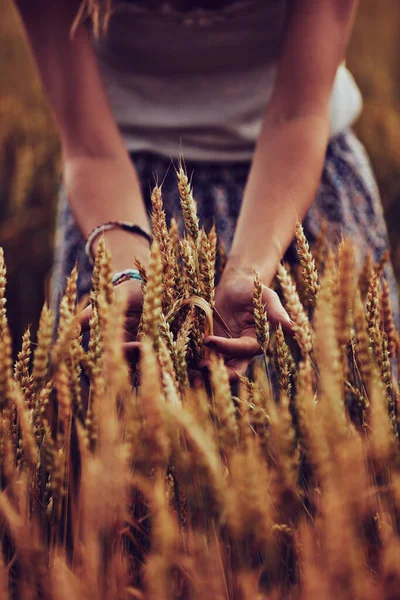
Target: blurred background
30, 156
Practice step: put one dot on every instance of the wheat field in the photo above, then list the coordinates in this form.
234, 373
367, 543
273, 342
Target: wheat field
126, 480
121, 480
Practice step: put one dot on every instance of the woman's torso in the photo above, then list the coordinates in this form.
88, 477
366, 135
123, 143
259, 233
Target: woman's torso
184, 77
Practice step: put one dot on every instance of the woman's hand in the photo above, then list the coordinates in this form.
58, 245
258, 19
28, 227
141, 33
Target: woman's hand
132, 291
234, 303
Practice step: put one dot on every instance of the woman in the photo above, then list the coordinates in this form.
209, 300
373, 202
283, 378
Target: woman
254, 94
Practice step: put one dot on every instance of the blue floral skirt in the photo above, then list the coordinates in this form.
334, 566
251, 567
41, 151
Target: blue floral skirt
347, 199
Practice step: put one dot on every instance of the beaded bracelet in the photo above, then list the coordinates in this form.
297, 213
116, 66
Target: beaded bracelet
126, 275
124, 225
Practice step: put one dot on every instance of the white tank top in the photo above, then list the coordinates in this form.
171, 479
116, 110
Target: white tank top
199, 83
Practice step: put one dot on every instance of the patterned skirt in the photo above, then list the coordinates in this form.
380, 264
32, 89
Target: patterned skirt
347, 200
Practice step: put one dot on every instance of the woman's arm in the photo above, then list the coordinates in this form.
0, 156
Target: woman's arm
286, 168
290, 151
101, 182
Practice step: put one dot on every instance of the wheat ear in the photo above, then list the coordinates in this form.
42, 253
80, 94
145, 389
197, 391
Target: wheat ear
21, 371
71, 289
41, 354
6, 363
283, 363
161, 235
30, 450
3, 282
64, 399
188, 205
189, 268
387, 318
309, 270
182, 344
260, 314
365, 275
346, 287
301, 325
168, 374
373, 316
213, 239
363, 351
103, 258
206, 270
152, 297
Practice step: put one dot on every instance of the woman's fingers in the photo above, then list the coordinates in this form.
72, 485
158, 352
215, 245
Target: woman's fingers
242, 348
275, 312
239, 351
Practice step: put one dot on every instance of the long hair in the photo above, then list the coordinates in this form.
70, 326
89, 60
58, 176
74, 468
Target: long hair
98, 12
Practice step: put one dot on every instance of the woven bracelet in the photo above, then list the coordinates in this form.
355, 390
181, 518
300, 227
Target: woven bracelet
124, 225
126, 275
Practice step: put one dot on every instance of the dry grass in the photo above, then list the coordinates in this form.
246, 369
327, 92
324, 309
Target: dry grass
144, 487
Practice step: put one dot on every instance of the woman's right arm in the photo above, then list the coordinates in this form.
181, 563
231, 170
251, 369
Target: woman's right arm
101, 182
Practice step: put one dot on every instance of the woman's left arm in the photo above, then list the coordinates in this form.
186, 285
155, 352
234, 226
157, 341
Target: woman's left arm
286, 168
290, 151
